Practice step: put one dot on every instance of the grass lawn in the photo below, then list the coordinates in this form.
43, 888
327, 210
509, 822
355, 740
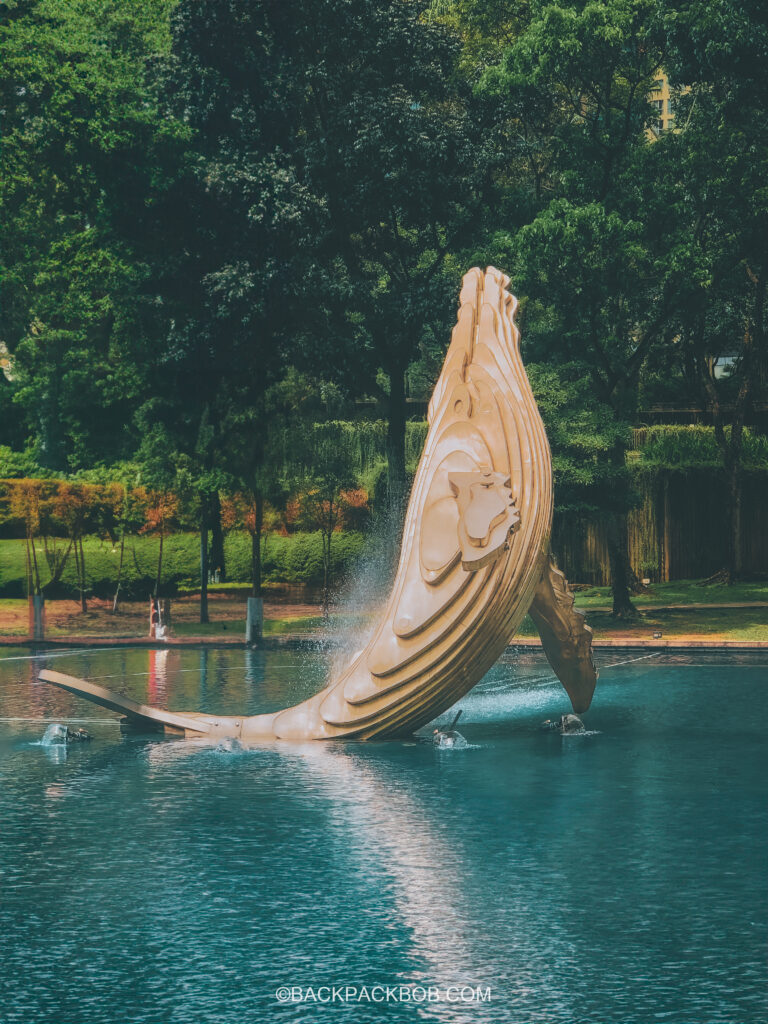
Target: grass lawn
272, 626
723, 623
64, 618
713, 623
218, 628
679, 592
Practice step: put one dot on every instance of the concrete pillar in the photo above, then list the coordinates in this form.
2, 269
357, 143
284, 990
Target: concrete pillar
254, 620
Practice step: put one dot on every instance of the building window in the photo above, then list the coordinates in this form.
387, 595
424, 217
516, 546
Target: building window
660, 126
659, 104
658, 85
670, 107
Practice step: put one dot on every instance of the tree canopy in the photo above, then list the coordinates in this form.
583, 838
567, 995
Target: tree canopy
215, 212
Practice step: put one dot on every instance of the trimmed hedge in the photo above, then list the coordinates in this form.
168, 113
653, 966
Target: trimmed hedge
294, 559
297, 558
693, 447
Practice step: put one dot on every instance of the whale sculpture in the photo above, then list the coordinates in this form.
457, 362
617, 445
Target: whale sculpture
474, 559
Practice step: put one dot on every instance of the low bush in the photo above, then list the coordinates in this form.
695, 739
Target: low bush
294, 559
694, 446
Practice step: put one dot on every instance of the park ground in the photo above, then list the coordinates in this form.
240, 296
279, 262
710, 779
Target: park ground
680, 611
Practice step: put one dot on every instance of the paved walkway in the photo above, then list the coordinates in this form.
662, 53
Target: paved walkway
309, 638
304, 640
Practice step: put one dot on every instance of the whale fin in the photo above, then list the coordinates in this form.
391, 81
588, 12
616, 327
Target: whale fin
139, 715
565, 636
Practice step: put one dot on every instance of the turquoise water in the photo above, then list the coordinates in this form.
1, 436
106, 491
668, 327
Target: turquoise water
614, 877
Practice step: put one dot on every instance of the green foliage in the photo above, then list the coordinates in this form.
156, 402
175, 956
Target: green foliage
693, 447
583, 435
17, 464
325, 207
299, 558
366, 442
415, 438
201, 198
716, 222
77, 136
182, 559
295, 559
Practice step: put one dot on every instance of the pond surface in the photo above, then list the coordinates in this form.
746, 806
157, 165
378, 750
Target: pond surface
616, 877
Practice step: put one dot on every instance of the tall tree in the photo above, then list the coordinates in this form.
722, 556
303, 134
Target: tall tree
328, 472
396, 150
231, 227
716, 167
336, 170
588, 262
78, 125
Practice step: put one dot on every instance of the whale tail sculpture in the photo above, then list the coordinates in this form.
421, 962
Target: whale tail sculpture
474, 559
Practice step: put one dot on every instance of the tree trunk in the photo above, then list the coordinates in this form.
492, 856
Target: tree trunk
203, 557
665, 533
217, 537
52, 450
159, 563
256, 545
735, 565
621, 571
731, 446
395, 446
326, 569
119, 574
83, 601
77, 567
31, 546
80, 570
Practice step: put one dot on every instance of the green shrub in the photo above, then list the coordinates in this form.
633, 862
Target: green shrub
294, 559
18, 464
346, 550
415, 439
304, 559
693, 446
237, 556
273, 558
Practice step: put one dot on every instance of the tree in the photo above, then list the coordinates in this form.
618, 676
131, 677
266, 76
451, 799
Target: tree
78, 507
160, 511
718, 267
122, 511
322, 481
335, 172
247, 510
177, 478
23, 499
396, 150
589, 263
262, 439
77, 130
591, 480
582, 432
231, 228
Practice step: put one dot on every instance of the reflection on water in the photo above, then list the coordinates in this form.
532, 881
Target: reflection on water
614, 877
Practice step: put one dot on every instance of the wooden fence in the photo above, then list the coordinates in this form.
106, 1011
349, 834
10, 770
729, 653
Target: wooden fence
677, 532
